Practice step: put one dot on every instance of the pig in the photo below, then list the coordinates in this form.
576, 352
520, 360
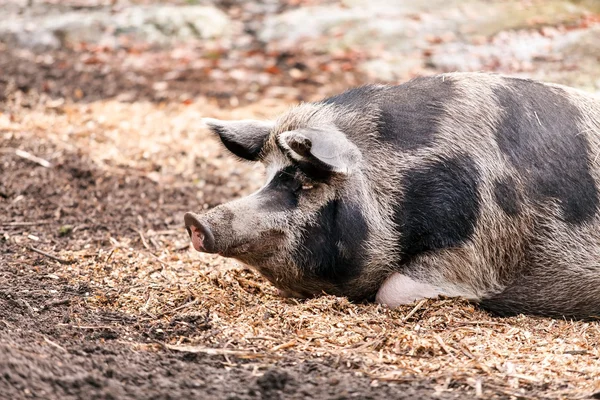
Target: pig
470, 185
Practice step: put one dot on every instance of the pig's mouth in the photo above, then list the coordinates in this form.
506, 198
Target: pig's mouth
204, 241
256, 248
237, 249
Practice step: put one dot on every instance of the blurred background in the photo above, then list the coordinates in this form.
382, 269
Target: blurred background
236, 52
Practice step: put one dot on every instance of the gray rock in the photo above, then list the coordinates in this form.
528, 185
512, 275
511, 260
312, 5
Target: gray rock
392, 23
181, 22
391, 68
510, 48
152, 24
394, 33
360, 25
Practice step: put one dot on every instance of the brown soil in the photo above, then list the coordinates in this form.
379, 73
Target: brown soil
54, 347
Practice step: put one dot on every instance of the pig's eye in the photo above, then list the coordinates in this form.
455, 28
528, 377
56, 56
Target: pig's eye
305, 182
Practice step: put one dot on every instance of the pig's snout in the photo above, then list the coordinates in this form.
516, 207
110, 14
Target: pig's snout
200, 233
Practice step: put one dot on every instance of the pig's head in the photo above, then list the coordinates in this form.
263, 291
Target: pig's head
307, 229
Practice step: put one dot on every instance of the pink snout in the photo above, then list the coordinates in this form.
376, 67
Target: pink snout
200, 233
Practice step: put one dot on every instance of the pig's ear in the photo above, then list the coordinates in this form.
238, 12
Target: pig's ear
244, 138
328, 150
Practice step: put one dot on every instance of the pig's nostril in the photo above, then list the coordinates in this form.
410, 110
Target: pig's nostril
202, 237
197, 239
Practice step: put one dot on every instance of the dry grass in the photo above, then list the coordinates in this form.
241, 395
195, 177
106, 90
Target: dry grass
153, 276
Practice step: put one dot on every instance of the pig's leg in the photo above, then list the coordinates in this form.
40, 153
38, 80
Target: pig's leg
429, 278
401, 289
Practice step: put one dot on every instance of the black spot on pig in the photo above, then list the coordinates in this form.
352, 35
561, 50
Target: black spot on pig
507, 196
411, 113
332, 247
539, 135
440, 206
282, 192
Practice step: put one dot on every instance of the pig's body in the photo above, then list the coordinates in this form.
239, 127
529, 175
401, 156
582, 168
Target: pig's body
470, 185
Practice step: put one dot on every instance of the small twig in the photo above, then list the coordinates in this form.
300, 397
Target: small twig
478, 388
414, 310
167, 232
110, 255
57, 303
88, 326
465, 350
480, 323
164, 264
158, 269
214, 352
186, 305
363, 346
524, 377
25, 303
25, 223
444, 346
51, 343
163, 267
154, 243
81, 227
283, 346
144, 309
576, 352
143, 239
9, 326
181, 307
52, 257
260, 338
31, 157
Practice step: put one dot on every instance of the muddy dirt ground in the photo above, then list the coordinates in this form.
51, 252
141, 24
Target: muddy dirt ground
102, 152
